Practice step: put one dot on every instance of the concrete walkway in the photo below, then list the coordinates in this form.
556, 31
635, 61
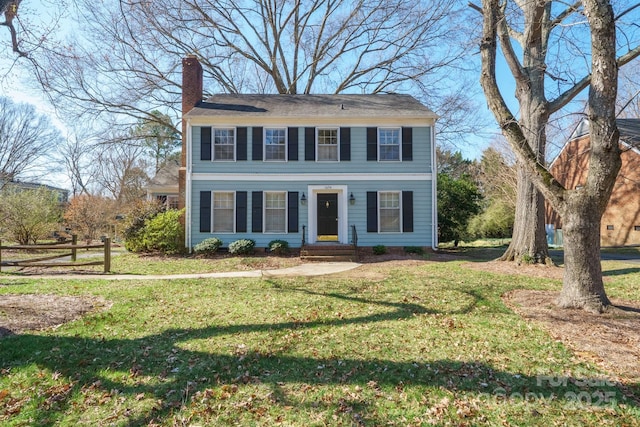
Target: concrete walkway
312, 269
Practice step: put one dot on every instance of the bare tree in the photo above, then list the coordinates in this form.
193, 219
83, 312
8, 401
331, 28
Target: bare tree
124, 58
26, 139
581, 209
121, 172
552, 70
78, 155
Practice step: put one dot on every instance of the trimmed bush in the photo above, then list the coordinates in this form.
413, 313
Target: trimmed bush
163, 232
379, 250
418, 250
208, 246
135, 221
242, 247
279, 247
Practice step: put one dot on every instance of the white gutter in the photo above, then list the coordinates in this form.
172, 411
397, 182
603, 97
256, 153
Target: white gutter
434, 190
187, 204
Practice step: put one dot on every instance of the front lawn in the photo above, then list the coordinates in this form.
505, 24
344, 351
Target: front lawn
395, 343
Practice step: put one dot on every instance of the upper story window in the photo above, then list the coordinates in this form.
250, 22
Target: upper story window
223, 212
275, 144
389, 140
275, 212
389, 212
223, 144
327, 145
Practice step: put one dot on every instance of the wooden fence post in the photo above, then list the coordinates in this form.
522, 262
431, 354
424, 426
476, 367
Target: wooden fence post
74, 241
107, 254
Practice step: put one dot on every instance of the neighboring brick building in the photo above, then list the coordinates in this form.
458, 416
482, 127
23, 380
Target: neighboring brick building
621, 219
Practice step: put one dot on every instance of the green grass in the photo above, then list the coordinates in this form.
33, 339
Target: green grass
427, 344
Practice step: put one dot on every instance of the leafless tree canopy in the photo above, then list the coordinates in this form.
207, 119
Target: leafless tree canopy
26, 139
124, 57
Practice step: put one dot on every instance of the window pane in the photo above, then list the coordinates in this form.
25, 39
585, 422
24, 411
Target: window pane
275, 212
327, 144
389, 212
275, 142
389, 140
223, 144
223, 212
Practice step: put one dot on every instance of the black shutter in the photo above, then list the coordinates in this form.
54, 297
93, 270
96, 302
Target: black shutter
292, 206
241, 143
407, 211
292, 140
205, 211
372, 144
205, 143
256, 211
309, 143
345, 144
256, 141
407, 144
372, 211
241, 211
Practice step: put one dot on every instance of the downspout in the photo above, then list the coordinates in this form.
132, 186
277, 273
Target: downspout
188, 192
434, 189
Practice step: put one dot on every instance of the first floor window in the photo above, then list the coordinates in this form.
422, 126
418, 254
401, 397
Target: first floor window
389, 206
275, 218
223, 212
327, 145
275, 142
389, 144
223, 144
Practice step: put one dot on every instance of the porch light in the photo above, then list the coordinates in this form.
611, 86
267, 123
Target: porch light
303, 199
352, 199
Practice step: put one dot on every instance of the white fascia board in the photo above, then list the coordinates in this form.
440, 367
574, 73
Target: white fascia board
311, 177
235, 121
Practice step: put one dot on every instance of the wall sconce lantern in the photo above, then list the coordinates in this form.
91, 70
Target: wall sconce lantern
352, 199
303, 199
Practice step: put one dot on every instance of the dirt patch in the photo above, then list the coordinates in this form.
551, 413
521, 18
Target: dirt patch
611, 340
19, 313
529, 270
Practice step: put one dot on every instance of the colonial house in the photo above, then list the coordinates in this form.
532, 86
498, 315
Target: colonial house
621, 219
307, 168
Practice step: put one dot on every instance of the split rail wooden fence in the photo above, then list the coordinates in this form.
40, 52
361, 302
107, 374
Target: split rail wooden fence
71, 251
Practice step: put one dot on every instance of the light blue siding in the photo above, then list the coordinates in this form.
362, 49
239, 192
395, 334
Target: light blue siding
357, 213
421, 162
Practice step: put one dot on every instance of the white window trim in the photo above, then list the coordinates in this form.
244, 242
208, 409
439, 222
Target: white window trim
213, 144
213, 211
337, 129
399, 212
264, 213
286, 143
343, 210
399, 129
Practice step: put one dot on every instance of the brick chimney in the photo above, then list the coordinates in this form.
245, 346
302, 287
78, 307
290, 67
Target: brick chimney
191, 96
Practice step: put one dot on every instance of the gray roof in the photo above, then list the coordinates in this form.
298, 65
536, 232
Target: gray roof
166, 176
629, 131
378, 105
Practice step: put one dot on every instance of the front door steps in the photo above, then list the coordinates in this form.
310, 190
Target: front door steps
329, 252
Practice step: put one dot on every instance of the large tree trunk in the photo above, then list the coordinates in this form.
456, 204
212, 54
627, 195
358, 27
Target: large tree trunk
582, 285
529, 240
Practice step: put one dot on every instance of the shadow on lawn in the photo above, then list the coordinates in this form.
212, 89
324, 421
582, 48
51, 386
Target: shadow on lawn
156, 368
